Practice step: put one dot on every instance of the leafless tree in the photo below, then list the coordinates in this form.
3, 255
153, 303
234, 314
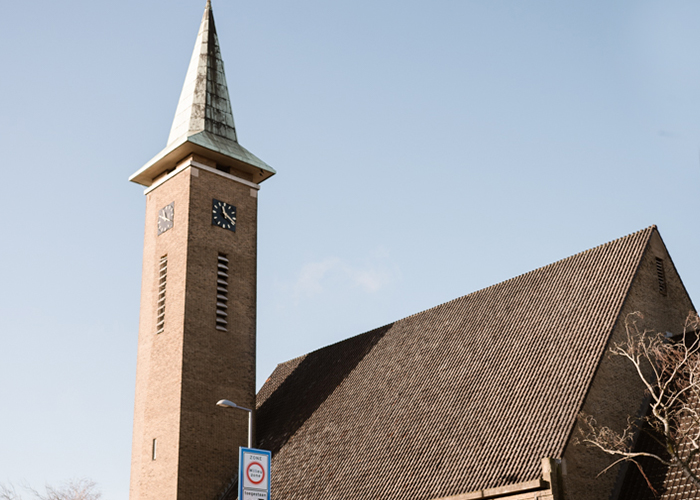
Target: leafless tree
669, 368
8, 492
77, 489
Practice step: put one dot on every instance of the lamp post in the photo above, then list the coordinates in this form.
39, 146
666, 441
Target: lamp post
225, 403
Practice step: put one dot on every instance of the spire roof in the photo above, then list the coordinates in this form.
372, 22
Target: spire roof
203, 122
204, 102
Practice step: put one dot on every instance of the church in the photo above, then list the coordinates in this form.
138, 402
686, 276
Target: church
475, 398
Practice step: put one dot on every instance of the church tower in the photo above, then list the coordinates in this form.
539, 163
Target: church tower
198, 297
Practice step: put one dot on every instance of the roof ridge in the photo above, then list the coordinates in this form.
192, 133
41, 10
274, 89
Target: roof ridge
289, 361
299, 357
500, 283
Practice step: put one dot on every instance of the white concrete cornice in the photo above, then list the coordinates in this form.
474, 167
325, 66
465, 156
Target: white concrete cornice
192, 163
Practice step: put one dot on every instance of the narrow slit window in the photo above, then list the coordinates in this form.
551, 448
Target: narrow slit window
155, 448
661, 275
162, 280
222, 293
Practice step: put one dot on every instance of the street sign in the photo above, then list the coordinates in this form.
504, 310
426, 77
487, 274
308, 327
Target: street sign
254, 474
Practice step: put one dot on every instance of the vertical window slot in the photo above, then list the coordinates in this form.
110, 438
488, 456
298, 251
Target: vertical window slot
162, 280
661, 275
222, 293
155, 447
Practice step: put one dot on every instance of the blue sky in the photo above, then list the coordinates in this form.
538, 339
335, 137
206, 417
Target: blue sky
424, 150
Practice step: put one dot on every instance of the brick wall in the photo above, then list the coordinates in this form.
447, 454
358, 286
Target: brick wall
182, 372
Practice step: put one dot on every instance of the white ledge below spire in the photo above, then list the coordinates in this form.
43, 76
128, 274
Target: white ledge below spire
192, 163
225, 153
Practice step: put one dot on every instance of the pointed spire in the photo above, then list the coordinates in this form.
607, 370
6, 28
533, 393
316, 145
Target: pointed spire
204, 102
203, 123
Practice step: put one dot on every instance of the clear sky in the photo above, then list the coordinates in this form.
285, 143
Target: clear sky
424, 149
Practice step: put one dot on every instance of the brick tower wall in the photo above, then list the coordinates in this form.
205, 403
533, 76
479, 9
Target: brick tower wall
184, 370
216, 364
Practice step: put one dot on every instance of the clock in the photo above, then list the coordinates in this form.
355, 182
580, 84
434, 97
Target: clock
223, 215
166, 215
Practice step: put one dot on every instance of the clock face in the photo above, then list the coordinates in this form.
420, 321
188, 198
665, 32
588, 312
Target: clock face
223, 215
166, 215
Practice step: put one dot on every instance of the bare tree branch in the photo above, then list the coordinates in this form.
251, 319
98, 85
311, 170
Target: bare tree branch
670, 372
76, 489
8, 492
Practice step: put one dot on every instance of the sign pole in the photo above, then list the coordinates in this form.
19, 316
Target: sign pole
250, 429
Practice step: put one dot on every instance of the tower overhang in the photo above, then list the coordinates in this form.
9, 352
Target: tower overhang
224, 152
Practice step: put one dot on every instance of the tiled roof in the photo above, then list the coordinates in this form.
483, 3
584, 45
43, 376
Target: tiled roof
470, 394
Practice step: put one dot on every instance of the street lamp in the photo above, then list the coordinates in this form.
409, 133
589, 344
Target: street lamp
230, 404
